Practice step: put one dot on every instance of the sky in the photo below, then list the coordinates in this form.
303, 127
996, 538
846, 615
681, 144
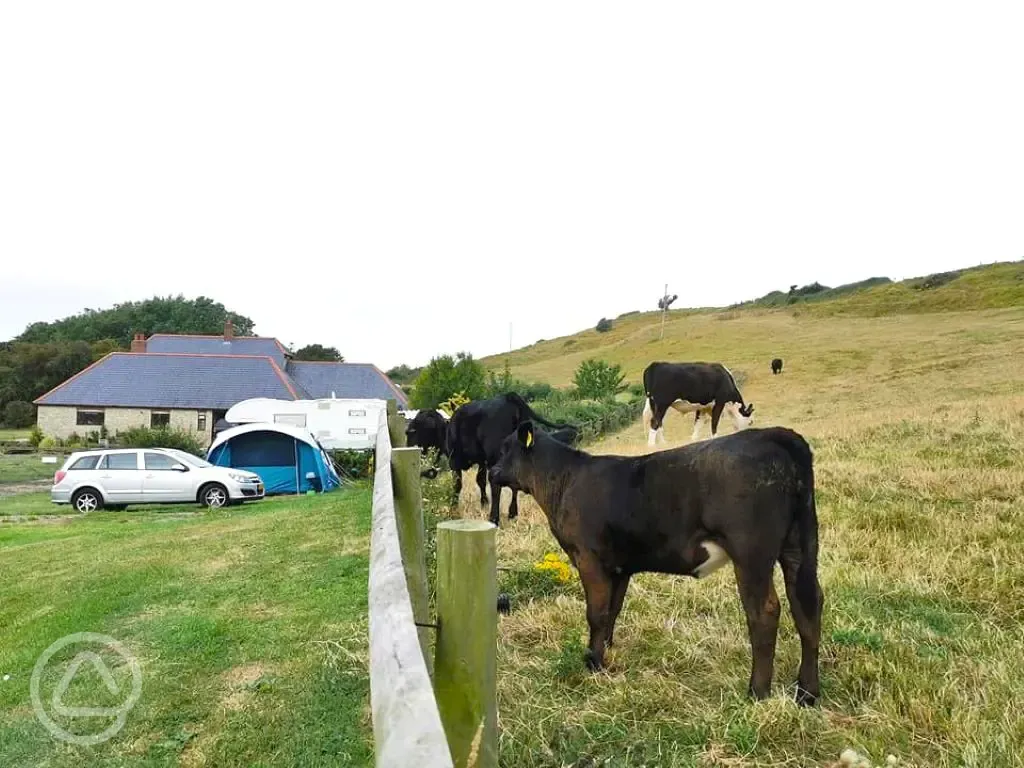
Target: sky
402, 180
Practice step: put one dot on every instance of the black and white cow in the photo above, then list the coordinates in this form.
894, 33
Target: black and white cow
697, 388
777, 365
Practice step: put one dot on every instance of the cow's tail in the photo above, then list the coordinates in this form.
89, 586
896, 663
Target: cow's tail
526, 412
806, 520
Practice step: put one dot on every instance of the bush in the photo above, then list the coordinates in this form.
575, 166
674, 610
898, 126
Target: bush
18, 414
593, 418
603, 325
35, 436
500, 383
162, 437
596, 379
446, 375
351, 463
47, 444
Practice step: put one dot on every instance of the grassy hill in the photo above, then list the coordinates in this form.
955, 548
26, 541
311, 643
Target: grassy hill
913, 400
840, 331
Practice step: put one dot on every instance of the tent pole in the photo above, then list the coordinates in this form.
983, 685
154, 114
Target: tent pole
298, 489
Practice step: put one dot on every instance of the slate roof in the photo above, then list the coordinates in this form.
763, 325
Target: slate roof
217, 345
148, 380
356, 380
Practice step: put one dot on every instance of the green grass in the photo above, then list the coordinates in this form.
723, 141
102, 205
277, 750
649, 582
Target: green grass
913, 400
7, 433
249, 624
23, 468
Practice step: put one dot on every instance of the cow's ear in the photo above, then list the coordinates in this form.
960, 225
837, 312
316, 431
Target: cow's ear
526, 434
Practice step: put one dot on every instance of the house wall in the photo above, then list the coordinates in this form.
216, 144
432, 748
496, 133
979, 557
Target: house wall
60, 420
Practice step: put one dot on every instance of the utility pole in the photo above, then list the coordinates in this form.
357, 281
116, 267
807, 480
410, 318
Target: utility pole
663, 304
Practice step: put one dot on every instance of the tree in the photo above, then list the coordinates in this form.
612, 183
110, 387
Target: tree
319, 353
596, 379
171, 314
603, 325
446, 376
18, 414
403, 374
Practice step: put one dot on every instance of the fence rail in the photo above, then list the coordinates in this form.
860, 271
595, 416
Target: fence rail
407, 729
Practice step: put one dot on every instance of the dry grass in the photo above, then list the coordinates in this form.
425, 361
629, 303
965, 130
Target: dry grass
918, 428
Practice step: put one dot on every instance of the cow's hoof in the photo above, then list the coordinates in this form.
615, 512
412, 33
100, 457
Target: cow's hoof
513, 515
805, 698
593, 663
496, 522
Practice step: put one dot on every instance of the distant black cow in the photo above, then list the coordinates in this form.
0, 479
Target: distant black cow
777, 365
475, 434
747, 497
698, 388
428, 429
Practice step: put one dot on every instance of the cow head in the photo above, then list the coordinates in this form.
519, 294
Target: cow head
516, 459
742, 415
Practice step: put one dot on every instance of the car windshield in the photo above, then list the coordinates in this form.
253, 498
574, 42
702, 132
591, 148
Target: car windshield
188, 458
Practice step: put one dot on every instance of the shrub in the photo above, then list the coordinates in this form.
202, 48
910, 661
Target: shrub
593, 418
162, 437
603, 325
35, 436
446, 375
47, 444
596, 379
500, 383
351, 463
18, 414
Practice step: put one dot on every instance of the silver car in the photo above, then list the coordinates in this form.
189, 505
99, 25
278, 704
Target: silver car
91, 480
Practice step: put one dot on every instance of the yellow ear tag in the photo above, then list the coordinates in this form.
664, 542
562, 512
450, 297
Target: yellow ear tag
529, 439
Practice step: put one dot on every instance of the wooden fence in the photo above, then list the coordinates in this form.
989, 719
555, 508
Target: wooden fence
450, 720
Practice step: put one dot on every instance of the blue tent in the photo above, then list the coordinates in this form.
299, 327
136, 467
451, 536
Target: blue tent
288, 459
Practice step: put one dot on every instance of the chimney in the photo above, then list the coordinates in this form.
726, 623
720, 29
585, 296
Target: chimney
229, 330
139, 343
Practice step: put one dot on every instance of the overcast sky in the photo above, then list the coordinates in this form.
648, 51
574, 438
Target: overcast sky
406, 179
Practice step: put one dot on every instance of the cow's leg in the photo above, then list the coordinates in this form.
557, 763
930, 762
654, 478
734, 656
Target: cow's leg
495, 503
513, 507
807, 619
481, 482
761, 604
597, 587
457, 486
619, 587
716, 417
657, 419
696, 428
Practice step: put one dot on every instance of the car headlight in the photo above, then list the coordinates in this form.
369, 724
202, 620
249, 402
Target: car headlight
241, 478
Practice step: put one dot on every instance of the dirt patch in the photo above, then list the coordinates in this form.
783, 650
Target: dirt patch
15, 489
241, 685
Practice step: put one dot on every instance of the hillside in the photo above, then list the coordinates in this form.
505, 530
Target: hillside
847, 330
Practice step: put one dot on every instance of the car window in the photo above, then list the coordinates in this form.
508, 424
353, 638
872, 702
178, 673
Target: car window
86, 462
188, 458
120, 461
160, 461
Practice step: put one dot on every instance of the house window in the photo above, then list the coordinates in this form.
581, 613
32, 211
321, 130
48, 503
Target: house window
201, 422
158, 419
89, 418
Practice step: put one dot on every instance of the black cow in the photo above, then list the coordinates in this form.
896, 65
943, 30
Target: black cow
697, 388
747, 497
475, 434
777, 366
428, 429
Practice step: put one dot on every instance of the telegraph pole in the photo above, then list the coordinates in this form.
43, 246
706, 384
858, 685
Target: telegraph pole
663, 303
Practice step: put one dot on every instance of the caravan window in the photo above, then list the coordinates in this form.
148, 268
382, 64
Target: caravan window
357, 413
294, 419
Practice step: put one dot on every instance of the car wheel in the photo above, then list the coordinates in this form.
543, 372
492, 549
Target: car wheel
214, 496
87, 500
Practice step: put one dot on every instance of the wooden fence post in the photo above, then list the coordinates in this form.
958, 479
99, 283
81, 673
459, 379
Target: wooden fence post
405, 477
396, 425
467, 637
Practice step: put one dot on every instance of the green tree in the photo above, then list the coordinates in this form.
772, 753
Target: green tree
319, 353
403, 374
18, 414
603, 325
596, 379
447, 375
171, 314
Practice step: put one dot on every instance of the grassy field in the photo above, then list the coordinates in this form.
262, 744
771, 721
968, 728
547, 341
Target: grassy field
249, 625
13, 434
917, 422
24, 468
